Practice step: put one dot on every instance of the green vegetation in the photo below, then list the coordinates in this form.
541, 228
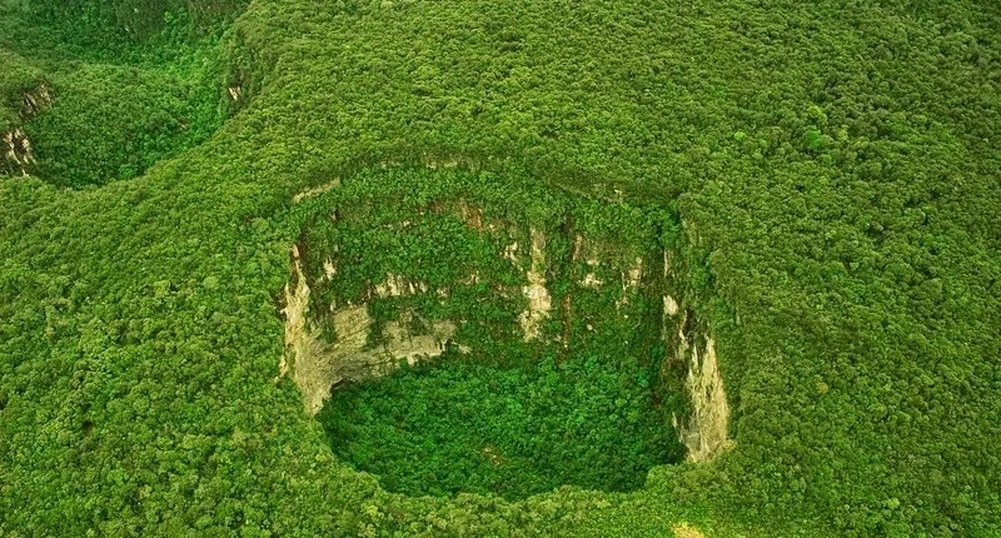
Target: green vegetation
112, 122
460, 426
130, 84
18, 77
824, 175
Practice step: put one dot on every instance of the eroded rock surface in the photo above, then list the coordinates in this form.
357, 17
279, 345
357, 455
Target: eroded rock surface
539, 300
316, 365
705, 431
16, 152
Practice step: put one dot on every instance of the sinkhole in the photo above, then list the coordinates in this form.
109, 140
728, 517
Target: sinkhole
97, 93
456, 330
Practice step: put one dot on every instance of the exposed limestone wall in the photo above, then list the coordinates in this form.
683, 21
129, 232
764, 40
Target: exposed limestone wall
630, 281
16, 153
705, 431
583, 249
397, 286
706, 435
316, 365
34, 101
670, 305
539, 300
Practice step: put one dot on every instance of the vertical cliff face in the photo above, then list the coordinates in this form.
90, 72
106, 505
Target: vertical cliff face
540, 302
316, 365
705, 430
34, 101
16, 152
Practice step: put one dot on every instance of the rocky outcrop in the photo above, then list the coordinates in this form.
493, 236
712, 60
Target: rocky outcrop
34, 101
316, 365
705, 430
16, 153
706, 434
539, 300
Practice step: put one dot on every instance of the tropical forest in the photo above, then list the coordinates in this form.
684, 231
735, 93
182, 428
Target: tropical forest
500, 268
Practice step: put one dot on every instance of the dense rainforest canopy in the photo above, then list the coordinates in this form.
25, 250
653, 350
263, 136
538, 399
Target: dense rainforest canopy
821, 179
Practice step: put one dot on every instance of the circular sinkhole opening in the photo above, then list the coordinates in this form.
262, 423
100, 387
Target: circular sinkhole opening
457, 333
